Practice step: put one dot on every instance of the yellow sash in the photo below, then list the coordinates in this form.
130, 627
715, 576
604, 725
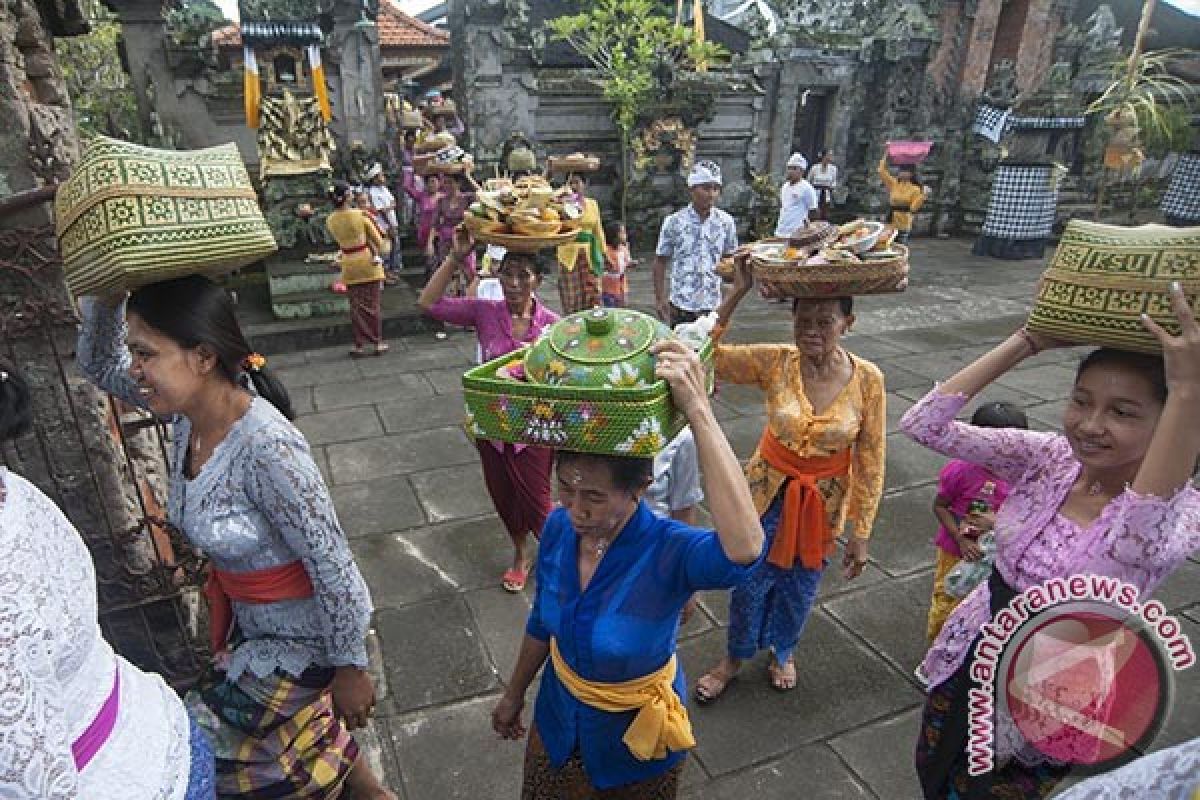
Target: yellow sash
661, 723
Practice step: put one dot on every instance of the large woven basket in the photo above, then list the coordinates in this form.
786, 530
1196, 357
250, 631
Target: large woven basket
131, 215
624, 422
876, 276
1104, 277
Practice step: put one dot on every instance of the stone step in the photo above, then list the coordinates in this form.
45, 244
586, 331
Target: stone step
308, 304
296, 277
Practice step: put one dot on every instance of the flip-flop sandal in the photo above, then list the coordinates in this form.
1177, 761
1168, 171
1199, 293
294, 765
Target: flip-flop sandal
703, 696
359, 353
380, 349
514, 580
775, 675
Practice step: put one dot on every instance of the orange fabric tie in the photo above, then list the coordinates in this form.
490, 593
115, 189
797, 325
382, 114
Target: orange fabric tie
286, 582
804, 533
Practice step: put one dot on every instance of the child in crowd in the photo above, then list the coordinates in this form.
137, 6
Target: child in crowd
614, 284
967, 499
362, 201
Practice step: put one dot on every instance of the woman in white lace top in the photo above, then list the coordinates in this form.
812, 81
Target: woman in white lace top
76, 720
245, 490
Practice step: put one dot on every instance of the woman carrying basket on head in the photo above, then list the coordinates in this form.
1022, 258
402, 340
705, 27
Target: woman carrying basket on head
612, 579
581, 263
906, 195
517, 476
818, 468
289, 610
1111, 496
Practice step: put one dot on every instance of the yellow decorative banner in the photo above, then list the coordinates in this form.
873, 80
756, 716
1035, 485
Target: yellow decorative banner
251, 87
318, 81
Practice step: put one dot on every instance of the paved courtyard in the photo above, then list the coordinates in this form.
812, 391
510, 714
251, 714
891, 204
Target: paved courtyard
386, 432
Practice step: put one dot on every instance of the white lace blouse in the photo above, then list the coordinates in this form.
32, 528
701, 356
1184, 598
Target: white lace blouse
258, 502
56, 671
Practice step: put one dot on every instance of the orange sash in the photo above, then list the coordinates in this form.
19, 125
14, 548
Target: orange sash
286, 582
803, 533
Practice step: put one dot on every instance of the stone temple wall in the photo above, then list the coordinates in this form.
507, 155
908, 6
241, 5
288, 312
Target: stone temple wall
506, 82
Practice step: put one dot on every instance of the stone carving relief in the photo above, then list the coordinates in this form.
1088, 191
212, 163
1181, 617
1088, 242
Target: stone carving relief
664, 147
292, 137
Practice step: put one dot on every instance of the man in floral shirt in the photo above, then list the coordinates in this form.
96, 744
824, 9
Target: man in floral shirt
693, 240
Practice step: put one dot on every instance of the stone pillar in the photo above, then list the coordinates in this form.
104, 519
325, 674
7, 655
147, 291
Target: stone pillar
358, 95
74, 453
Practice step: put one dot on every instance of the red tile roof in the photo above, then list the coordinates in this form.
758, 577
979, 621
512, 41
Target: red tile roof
396, 29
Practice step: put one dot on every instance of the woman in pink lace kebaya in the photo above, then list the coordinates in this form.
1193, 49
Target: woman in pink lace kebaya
1111, 496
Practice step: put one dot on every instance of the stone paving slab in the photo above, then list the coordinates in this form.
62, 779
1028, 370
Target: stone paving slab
377, 506
361, 392
453, 492
890, 618
815, 771
343, 425
433, 654
398, 454
830, 696
401, 416
902, 539
881, 755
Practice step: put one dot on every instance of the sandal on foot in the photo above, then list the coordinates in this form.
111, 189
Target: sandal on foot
710, 686
380, 349
778, 675
514, 580
356, 353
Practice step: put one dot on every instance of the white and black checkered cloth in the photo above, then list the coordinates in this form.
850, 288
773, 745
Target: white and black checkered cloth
1023, 203
1050, 123
1181, 201
991, 122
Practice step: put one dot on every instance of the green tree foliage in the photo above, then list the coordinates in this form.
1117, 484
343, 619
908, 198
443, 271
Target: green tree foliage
633, 45
96, 80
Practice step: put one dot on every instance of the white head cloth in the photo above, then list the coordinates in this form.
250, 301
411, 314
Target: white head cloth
798, 160
704, 172
374, 171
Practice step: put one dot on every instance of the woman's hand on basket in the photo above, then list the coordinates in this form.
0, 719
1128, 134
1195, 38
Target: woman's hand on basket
506, 717
1181, 354
353, 696
681, 368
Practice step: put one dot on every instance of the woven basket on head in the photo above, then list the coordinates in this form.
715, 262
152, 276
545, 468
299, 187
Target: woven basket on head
131, 215
1104, 277
587, 419
876, 276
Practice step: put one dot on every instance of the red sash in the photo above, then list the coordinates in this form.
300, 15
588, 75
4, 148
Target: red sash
285, 582
358, 248
804, 533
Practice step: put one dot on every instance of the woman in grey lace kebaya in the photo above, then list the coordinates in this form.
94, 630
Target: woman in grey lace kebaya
289, 679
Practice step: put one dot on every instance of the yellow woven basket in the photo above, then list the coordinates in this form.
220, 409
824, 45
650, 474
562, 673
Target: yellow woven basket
131, 215
1104, 277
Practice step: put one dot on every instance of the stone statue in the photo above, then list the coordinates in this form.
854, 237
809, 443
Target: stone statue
1103, 35
1002, 89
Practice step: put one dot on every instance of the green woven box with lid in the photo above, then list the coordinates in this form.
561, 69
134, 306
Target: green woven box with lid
131, 215
589, 386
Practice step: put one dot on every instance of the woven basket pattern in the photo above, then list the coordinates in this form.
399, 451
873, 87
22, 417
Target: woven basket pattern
132, 215
837, 280
1104, 277
624, 422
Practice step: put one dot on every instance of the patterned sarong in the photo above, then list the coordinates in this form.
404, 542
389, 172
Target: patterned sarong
274, 737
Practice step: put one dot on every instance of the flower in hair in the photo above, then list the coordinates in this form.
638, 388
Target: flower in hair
254, 362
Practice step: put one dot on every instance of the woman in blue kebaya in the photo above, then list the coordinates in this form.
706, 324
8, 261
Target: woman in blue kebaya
612, 578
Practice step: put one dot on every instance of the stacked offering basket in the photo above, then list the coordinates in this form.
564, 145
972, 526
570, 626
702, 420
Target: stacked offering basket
589, 386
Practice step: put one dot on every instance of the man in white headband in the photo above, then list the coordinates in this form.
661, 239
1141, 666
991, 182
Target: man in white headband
384, 203
692, 241
798, 201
